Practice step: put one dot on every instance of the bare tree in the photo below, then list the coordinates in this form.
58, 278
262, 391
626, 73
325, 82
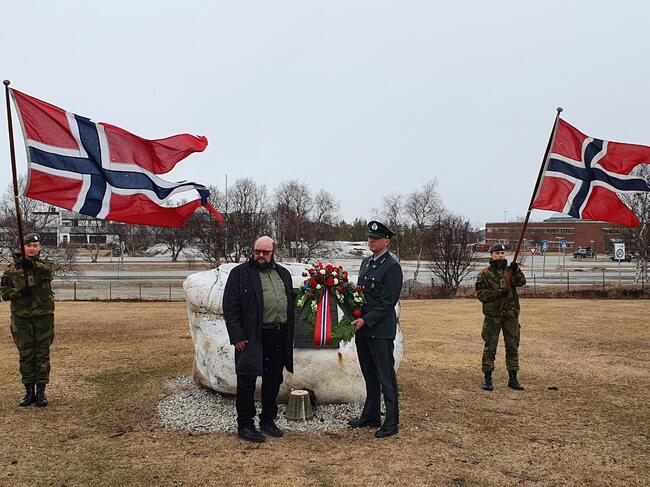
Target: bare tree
136, 238
210, 237
321, 224
293, 206
247, 218
423, 207
392, 214
450, 251
638, 238
36, 216
176, 239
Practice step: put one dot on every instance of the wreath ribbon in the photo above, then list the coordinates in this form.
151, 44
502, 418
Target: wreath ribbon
323, 325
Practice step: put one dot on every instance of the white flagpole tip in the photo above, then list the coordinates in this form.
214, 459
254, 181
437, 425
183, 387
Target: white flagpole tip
559, 109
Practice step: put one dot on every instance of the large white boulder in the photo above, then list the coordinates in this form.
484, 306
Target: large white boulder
332, 374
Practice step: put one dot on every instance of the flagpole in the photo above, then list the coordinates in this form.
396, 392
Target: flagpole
12, 150
551, 140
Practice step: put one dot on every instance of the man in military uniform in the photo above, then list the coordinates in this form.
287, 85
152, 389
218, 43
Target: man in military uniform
501, 310
32, 317
380, 276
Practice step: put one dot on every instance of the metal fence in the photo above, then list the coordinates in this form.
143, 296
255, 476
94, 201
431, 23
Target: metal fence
118, 290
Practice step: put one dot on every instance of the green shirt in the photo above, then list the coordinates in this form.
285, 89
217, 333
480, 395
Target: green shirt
274, 297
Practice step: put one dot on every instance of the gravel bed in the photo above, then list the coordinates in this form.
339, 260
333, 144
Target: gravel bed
190, 407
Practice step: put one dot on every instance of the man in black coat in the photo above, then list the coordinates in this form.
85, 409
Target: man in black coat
380, 276
258, 307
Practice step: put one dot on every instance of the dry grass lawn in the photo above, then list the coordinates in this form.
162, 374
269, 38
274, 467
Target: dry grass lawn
111, 361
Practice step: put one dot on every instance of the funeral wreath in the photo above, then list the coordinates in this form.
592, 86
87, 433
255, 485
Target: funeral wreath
324, 283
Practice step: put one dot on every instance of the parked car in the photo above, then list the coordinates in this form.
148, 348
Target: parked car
583, 252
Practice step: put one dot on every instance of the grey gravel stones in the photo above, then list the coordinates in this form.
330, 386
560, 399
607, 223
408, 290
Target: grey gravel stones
191, 408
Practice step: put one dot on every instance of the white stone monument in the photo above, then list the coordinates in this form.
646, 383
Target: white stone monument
332, 374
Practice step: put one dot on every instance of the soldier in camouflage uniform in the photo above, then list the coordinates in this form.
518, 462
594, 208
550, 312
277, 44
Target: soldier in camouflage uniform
491, 291
32, 317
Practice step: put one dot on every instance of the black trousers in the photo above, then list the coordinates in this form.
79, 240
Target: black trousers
274, 347
378, 369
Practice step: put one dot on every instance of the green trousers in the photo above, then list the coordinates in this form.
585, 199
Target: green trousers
491, 328
33, 337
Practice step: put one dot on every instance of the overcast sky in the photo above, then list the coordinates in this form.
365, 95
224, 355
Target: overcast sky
361, 98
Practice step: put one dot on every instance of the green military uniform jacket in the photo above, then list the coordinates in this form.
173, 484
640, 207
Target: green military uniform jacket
382, 285
40, 279
489, 283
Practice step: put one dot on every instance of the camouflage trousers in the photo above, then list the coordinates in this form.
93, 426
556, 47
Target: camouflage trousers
33, 337
490, 334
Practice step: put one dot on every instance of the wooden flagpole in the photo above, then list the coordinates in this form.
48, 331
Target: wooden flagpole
12, 150
551, 140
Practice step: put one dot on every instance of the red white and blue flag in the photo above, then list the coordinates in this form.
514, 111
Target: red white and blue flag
103, 171
584, 175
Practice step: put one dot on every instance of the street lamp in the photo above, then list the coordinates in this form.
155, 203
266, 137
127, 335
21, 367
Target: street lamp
558, 252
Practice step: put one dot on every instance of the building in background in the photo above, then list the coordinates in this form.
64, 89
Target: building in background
577, 233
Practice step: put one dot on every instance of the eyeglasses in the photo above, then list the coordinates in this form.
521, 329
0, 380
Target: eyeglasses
262, 252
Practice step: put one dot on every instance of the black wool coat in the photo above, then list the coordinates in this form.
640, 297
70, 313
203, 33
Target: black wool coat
243, 310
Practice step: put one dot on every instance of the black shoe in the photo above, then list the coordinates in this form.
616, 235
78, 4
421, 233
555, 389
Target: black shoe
41, 400
29, 398
513, 383
386, 431
487, 383
364, 423
271, 429
249, 433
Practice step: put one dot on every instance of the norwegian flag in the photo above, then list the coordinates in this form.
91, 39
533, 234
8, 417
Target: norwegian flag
584, 175
103, 171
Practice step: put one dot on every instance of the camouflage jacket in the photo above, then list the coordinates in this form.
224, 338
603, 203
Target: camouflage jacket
40, 280
488, 285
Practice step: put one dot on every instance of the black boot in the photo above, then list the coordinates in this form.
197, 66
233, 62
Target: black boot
41, 400
29, 398
513, 383
487, 382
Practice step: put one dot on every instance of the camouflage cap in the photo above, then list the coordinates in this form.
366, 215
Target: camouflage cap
32, 237
497, 247
379, 230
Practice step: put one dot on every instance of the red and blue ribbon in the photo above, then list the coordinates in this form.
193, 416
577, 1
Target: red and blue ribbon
323, 324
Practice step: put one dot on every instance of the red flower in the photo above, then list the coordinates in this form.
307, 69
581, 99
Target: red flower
341, 290
356, 313
312, 282
304, 274
329, 268
358, 289
330, 282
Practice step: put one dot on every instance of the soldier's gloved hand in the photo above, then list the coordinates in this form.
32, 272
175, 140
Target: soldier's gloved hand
503, 293
26, 292
27, 264
514, 266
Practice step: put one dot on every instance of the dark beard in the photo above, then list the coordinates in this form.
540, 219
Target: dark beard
262, 265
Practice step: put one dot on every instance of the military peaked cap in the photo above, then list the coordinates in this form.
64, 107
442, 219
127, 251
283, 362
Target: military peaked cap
379, 230
498, 248
32, 237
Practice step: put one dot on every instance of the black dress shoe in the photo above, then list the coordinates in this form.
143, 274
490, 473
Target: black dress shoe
271, 429
364, 423
386, 431
249, 433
